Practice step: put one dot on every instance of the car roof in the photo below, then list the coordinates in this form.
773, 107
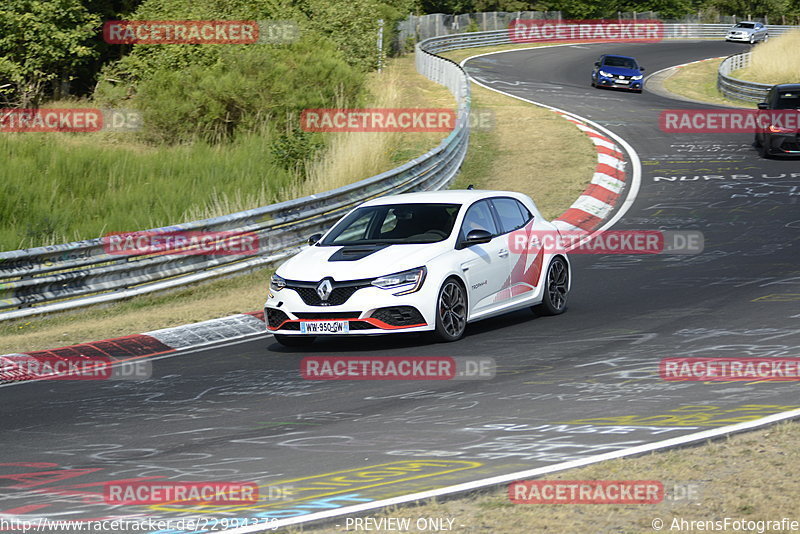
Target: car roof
451, 196
787, 87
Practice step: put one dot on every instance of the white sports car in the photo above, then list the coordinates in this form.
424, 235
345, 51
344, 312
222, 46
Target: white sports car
418, 262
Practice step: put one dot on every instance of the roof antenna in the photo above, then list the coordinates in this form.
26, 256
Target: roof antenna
470, 187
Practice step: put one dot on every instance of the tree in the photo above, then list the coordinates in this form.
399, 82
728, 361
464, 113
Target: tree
41, 43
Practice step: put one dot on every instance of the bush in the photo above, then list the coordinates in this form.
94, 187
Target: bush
246, 89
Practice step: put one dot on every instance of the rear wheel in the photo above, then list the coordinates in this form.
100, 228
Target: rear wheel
451, 311
294, 341
556, 288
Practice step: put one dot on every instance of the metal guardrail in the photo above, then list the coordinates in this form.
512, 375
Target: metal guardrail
736, 88
45, 279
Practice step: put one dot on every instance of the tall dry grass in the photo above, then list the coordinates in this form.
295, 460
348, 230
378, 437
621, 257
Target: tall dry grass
352, 156
776, 61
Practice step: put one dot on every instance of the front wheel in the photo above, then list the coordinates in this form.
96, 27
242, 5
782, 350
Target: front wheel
752, 39
451, 311
766, 37
294, 341
554, 301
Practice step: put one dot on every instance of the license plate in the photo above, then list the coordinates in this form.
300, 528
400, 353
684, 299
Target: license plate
623, 81
324, 327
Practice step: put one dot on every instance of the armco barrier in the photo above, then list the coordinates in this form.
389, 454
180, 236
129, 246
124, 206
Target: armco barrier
46, 279
736, 88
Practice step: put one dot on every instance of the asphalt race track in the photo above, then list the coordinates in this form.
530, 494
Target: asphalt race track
567, 387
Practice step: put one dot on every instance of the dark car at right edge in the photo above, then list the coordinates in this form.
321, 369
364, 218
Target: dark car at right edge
779, 139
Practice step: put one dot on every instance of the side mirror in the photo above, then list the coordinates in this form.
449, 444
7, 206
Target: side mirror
596, 63
314, 238
641, 69
763, 105
476, 237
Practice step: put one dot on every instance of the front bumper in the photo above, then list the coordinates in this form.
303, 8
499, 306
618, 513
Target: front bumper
786, 144
632, 85
739, 38
368, 311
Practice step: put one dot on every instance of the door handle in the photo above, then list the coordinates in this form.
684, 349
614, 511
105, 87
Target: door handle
502, 253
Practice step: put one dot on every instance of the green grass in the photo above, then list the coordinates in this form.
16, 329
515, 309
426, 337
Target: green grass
55, 189
698, 81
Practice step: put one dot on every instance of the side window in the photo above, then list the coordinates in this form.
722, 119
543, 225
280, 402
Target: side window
478, 217
509, 211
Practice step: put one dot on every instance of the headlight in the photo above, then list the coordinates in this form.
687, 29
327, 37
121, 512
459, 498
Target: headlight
604, 73
777, 129
636, 77
277, 283
411, 279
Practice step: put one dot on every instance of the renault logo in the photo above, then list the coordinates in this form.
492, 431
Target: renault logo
324, 289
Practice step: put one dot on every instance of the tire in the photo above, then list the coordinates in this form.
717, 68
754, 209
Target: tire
752, 39
554, 300
451, 311
294, 341
766, 38
757, 142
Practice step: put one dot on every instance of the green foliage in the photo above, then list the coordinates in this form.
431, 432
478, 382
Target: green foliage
295, 149
41, 42
248, 88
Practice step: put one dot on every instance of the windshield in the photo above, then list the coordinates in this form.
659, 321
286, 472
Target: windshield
745, 25
788, 100
394, 224
624, 62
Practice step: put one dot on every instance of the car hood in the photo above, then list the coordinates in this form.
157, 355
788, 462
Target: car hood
620, 71
355, 263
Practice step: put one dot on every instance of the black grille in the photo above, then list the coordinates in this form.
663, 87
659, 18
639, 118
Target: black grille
275, 317
399, 315
361, 325
339, 294
327, 315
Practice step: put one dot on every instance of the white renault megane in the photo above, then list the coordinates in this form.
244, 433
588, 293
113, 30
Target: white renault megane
418, 262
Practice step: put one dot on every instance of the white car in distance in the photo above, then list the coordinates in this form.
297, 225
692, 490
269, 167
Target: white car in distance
418, 262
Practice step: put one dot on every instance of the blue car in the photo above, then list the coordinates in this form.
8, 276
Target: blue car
618, 71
